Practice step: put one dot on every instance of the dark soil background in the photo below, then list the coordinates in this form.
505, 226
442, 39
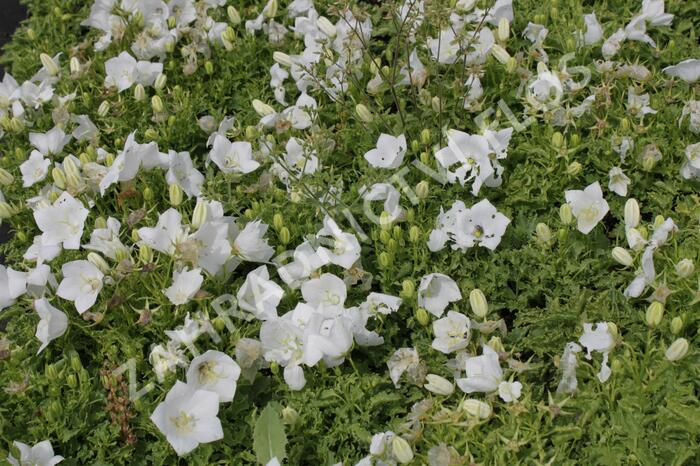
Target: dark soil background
11, 13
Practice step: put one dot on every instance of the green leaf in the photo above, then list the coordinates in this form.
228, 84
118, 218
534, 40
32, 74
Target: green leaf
269, 439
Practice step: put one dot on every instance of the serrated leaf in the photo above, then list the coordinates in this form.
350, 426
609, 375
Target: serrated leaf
269, 439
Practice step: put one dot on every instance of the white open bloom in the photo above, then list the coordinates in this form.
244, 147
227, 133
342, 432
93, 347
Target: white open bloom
214, 371
594, 32
509, 391
233, 157
568, 363
470, 154
50, 143
638, 104
483, 373
123, 71
52, 325
389, 152
403, 360
34, 169
166, 235
166, 359
259, 294
618, 181
82, 282
188, 417
251, 245
588, 206
62, 222
13, 284
480, 225
451, 332
40, 454
598, 339
687, 70
691, 166
181, 172
185, 285
436, 291
106, 240
345, 246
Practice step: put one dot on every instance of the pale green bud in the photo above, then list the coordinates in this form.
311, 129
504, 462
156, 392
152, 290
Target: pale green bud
139, 92
103, 109
99, 262
500, 54
565, 214
557, 139
262, 108
289, 415
685, 268
622, 256
422, 189
199, 214
677, 350
632, 215
326, 26
408, 288
544, 234
422, 316
364, 113
175, 193
478, 302
282, 58
503, 32
233, 16
402, 450
654, 314
49, 64
439, 385
157, 104
476, 408
6, 177
676, 325
271, 11
574, 169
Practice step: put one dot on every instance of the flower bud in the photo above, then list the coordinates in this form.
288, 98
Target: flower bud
16, 125
31, 35
262, 108
676, 325
282, 58
160, 82
209, 67
557, 139
414, 234
199, 214
422, 316
401, 450
6, 177
654, 314
436, 104
99, 262
233, 16
425, 136
511, 65
658, 221
145, 254
100, 222
544, 234
70, 168
500, 54
384, 236
271, 10
496, 344
565, 214
478, 302
632, 213
648, 162
6, 210
139, 92
75, 362
503, 30
147, 194
284, 236
439, 385
72, 381
49, 64
422, 189
408, 288
364, 113
385, 220
75, 67
476, 408
677, 350
151, 134
52, 372
289, 415
103, 109
685, 268
621, 256
157, 104
175, 193
326, 26
574, 169
384, 259
228, 37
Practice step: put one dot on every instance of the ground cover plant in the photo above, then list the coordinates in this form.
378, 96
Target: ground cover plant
374, 233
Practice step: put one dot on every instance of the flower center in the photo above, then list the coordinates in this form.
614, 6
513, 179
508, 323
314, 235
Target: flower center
183, 422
